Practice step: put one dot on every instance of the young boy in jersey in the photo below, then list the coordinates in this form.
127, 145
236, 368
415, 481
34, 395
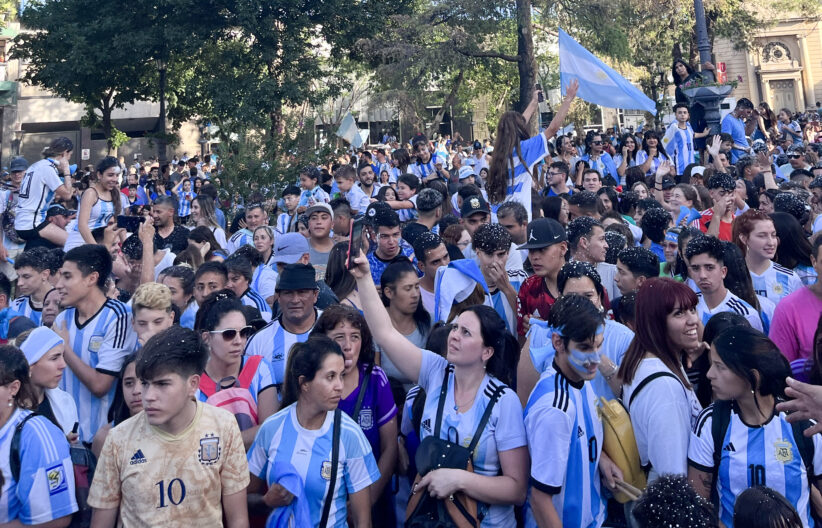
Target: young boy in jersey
32, 283
680, 136
287, 221
97, 333
407, 187
180, 462
705, 256
564, 431
312, 193
492, 243
152, 311
346, 178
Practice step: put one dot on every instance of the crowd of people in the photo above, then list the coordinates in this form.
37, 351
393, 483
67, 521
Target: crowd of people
422, 332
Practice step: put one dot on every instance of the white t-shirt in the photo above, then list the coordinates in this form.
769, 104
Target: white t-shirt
36, 193
663, 415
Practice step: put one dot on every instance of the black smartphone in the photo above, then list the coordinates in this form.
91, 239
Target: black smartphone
354, 242
130, 223
540, 95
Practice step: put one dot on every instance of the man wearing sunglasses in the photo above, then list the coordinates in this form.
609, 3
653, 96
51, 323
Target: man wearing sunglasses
557, 179
297, 290
796, 160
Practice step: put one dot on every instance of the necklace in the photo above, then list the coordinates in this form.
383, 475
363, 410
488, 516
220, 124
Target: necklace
457, 405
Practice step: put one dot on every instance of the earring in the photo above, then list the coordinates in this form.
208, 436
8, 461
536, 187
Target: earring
11, 402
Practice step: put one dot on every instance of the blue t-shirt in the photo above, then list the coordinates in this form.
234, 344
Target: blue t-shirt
736, 128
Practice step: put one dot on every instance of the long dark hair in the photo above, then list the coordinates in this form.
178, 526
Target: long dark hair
118, 411
621, 144
793, 248
102, 166
502, 364
675, 76
762, 507
656, 298
338, 313
201, 234
15, 366
337, 276
304, 360
738, 278
816, 368
392, 274
745, 350
660, 148
511, 130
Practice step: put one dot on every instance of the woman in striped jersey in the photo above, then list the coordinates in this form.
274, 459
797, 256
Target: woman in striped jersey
98, 204
741, 440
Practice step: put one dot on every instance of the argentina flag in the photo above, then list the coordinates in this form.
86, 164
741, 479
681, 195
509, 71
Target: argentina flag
598, 83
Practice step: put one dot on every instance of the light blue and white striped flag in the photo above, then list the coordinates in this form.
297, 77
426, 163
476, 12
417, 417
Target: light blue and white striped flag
598, 83
349, 131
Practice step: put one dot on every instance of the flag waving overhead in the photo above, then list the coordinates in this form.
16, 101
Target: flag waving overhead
349, 131
598, 83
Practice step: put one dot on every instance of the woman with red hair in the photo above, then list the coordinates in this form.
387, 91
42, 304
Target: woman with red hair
655, 389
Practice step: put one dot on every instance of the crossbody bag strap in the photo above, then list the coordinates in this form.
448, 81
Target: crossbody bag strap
646, 381
361, 396
441, 403
14, 450
484, 420
335, 458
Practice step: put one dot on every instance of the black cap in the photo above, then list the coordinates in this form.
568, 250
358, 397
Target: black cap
544, 232
18, 164
667, 182
297, 277
474, 204
58, 209
477, 145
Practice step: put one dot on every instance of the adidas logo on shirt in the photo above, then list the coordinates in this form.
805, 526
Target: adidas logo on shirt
730, 447
426, 424
580, 432
137, 458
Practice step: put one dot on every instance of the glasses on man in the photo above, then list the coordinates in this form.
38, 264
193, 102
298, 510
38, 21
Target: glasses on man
794, 156
596, 142
230, 333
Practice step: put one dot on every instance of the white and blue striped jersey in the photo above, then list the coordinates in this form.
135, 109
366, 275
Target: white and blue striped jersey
642, 157
102, 343
101, 212
766, 455
252, 298
282, 442
274, 342
45, 491
499, 302
283, 223
681, 147
24, 306
776, 282
731, 303
261, 381
565, 441
534, 150
189, 315
410, 213
239, 239
806, 274
36, 193
423, 170
616, 339
264, 280
505, 429
315, 195
357, 199
184, 200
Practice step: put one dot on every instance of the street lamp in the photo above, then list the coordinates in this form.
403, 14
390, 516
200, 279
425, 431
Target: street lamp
16, 140
161, 142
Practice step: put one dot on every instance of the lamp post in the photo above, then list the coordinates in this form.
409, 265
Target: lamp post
16, 140
161, 125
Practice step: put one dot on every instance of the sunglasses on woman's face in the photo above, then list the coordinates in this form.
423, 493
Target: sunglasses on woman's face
794, 156
230, 333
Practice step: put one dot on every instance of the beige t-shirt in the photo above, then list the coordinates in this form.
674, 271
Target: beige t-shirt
161, 480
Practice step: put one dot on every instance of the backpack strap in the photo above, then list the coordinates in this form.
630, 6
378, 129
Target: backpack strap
805, 445
484, 420
14, 450
335, 457
441, 403
646, 381
720, 420
248, 371
361, 396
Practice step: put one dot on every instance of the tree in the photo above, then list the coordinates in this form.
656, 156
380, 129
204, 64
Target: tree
79, 50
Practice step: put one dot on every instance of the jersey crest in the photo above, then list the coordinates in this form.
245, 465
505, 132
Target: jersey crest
783, 451
56, 477
325, 471
210, 449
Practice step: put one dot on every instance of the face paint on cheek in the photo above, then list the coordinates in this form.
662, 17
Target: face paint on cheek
582, 361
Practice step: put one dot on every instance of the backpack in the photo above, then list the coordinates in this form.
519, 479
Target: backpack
83, 462
7, 221
459, 511
721, 419
231, 394
619, 441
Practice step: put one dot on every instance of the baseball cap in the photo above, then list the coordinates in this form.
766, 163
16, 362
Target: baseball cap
319, 208
466, 171
667, 182
58, 209
477, 145
473, 205
289, 248
544, 232
18, 164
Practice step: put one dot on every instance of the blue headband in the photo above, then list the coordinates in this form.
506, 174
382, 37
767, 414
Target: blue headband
671, 236
40, 341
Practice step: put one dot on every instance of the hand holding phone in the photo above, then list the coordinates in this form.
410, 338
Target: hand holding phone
354, 242
130, 223
540, 95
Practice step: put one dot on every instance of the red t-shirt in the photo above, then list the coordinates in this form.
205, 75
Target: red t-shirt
725, 228
533, 297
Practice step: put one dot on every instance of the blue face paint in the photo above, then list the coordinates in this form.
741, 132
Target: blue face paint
582, 361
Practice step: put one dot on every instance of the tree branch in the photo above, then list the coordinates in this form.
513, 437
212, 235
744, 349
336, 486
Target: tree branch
488, 54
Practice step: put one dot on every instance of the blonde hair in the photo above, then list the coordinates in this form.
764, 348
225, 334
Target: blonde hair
152, 296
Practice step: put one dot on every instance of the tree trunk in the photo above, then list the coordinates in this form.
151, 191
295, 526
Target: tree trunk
527, 64
449, 100
106, 122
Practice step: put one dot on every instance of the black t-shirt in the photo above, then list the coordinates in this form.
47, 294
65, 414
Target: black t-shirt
177, 241
44, 409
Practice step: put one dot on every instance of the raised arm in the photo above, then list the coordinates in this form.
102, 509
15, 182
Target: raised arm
562, 111
404, 354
